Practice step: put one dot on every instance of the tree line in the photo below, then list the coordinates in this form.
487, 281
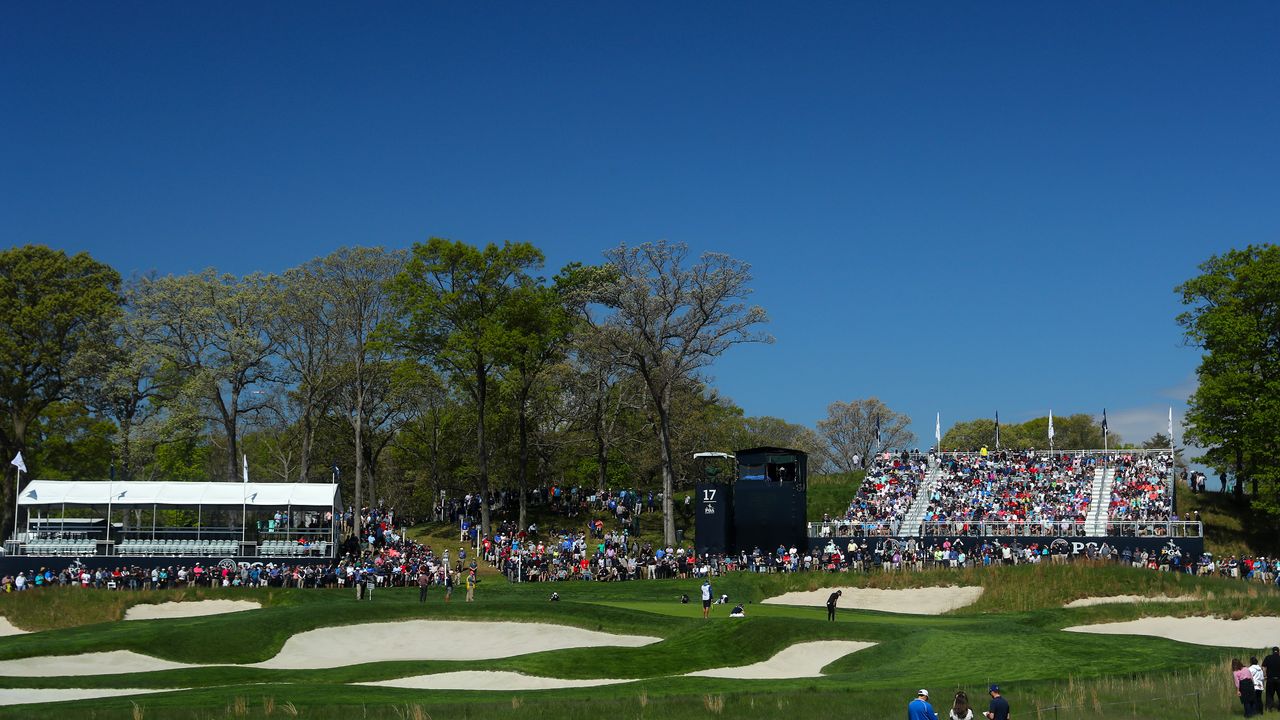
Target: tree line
401, 374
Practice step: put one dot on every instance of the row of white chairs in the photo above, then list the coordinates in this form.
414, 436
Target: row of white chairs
62, 547
271, 548
177, 547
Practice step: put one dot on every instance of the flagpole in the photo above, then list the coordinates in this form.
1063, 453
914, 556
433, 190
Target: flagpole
17, 485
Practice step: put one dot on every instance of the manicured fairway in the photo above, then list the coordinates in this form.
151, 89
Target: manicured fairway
1011, 635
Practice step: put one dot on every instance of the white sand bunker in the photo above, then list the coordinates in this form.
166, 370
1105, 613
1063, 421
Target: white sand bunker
7, 628
802, 660
1215, 631
1117, 599
115, 662
23, 696
434, 640
487, 680
198, 608
355, 644
915, 601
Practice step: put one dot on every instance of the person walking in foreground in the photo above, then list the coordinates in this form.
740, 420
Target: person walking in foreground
471, 586
920, 709
960, 709
831, 605
999, 707
1244, 685
424, 580
706, 599
448, 584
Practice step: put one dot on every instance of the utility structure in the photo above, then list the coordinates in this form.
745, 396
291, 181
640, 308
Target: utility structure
758, 501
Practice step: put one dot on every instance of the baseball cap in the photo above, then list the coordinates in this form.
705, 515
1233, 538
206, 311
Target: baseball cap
993, 688
923, 693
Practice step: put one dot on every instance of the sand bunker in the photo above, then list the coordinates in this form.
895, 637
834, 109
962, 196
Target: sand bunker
915, 601
1215, 631
434, 640
487, 680
198, 608
115, 662
22, 696
355, 644
802, 660
1115, 599
7, 628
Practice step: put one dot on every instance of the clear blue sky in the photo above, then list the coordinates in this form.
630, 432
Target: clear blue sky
956, 207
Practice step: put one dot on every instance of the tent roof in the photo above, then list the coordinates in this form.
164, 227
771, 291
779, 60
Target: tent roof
185, 494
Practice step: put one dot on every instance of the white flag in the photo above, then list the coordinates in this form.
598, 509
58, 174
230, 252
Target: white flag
1170, 427
246, 468
18, 462
1050, 424
937, 429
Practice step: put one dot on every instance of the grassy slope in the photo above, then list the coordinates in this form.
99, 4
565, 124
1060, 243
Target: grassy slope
1231, 527
1011, 636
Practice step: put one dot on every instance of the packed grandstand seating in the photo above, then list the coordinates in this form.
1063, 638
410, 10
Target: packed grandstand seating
1142, 490
1012, 494
885, 496
1050, 495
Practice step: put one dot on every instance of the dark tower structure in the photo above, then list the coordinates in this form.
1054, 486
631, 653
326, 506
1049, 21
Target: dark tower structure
769, 499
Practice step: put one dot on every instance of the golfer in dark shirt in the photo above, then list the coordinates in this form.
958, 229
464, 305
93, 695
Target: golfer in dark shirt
999, 707
831, 605
1271, 665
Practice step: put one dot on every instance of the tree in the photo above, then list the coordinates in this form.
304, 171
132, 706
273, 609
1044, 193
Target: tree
849, 431
452, 299
359, 285
212, 331
306, 326
1233, 315
539, 325
1070, 432
133, 383
668, 322
55, 313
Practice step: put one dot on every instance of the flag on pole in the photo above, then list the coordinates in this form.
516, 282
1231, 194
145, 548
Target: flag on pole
937, 431
21, 464
1050, 424
246, 467
877, 430
997, 429
1104, 421
1171, 426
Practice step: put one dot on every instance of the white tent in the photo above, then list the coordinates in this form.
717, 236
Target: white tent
178, 494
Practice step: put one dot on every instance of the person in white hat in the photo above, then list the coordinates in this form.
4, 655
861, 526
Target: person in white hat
920, 709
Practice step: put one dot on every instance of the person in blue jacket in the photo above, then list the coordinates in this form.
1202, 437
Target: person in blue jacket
920, 709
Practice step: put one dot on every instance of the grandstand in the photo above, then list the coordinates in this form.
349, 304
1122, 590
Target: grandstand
105, 520
1031, 496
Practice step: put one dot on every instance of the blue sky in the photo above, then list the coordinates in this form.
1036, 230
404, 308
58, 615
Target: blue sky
956, 207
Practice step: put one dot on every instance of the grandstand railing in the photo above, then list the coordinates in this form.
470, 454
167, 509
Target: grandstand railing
1003, 528
1155, 528
1044, 452
849, 528
1024, 528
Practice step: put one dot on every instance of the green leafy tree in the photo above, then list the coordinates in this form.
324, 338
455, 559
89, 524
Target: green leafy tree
55, 314
211, 330
1233, 315
452, 300
538, 323
73, 444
